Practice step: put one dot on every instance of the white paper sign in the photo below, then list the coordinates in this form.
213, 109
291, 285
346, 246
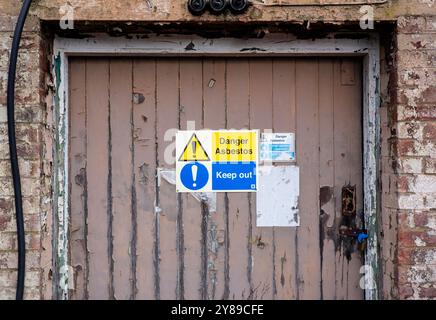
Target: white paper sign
277, 147
278, 195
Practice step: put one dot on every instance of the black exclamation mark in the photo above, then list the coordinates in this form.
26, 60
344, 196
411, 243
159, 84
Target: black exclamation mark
194, 149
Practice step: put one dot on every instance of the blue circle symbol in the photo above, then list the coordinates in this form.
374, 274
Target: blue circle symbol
194, 176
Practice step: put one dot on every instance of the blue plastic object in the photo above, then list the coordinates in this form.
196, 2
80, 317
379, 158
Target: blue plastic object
361, 237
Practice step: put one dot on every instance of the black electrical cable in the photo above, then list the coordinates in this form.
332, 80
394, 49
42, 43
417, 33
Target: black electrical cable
13, 148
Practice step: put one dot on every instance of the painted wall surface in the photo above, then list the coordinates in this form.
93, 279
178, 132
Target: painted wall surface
408, 162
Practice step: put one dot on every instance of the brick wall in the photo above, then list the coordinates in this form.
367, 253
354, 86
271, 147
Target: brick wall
388, 217
408, 162
413, 150
30, 117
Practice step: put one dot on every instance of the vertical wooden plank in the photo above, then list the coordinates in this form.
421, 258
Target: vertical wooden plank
98, 174
144, 117
308, 160
327, 222
354, 99
283, 110
78, 188
240, 264
191, 102
122, 168
214, 96
167, 104
262, 244
340, 178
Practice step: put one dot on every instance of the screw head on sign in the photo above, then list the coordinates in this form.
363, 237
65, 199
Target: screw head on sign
238, 6
197, 7
217, 6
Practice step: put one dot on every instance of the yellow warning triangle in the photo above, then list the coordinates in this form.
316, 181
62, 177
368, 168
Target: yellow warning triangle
194, 151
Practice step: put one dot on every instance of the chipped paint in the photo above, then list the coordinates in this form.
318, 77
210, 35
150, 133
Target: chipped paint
60, 190
371, 133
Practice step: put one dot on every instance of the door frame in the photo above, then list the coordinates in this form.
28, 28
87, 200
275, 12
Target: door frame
272, 45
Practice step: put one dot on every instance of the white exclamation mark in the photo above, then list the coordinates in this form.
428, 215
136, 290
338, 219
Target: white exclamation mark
194, 169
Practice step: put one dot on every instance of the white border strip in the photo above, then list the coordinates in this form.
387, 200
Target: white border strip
194, 46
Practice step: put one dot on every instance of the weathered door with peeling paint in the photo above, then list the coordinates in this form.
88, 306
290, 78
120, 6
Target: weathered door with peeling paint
133, 237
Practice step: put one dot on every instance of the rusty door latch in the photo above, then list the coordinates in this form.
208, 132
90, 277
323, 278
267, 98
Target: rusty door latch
360, 234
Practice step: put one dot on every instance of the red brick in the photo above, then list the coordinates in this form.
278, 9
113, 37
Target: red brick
8, 241
408, 58
28, 168
414, 238
416, 95
28, 151
32, 223
30, 187
429, 131
429, 293
408, 165
412, 147
429, 95
421, 219
8, 279
430, 165
8, 260
5, 213
413, 219
403, 219
404, 256
418, 113
404, 147
411, 24
7, 293
5, 206
409, 129
416, 77
397, 96
416, 256
404, 182
32, 294
422, 183
419, 41
406, 291
30, 204
26, 114
29, 293
403, 277
28, 133
24, 150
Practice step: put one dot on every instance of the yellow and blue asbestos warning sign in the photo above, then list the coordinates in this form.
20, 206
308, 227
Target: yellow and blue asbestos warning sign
217, 161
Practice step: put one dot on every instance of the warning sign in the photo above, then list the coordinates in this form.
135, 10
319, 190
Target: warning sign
234, 146
217, 161
194, 151
277, 147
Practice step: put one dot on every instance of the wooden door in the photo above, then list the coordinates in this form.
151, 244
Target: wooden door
133, 237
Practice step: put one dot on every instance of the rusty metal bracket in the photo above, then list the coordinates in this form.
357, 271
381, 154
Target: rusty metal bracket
349, 201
